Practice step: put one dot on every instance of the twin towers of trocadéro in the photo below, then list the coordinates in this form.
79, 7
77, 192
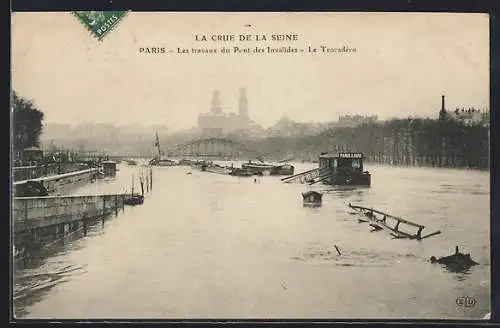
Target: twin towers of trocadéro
217, 122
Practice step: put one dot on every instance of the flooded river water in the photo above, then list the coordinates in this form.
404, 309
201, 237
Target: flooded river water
213, 246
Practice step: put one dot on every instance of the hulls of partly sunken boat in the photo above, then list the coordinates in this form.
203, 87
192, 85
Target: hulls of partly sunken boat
263, 168
134, 198
246, 169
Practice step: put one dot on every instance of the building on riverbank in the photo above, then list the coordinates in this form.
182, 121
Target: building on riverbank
467, 116
218, 122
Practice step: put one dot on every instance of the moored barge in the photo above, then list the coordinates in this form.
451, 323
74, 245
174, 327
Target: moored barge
343, 168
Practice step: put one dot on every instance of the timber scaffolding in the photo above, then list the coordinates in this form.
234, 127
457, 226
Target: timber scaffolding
382, 223
311, 177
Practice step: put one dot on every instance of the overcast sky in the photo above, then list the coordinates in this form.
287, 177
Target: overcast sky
403, 63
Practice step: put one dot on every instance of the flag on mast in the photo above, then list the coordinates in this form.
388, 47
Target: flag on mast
157, 142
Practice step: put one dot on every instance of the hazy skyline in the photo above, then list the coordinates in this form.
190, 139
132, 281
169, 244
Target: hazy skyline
403, 64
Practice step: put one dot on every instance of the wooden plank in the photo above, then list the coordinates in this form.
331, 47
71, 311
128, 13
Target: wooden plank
387, 215
301, 174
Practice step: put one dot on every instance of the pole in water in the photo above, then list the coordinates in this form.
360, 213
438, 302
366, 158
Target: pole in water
338, 251
84, 223
103, 209
116, 205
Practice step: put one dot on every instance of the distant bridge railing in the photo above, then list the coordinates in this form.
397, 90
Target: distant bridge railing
213, 148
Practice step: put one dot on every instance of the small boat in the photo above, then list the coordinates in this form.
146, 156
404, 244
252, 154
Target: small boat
312, 198
189, 173
241, 172
131, 162
134, 199
161, 162
217, 169
185, 162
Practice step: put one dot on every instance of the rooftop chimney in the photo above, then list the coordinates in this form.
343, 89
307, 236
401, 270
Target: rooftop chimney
442, 112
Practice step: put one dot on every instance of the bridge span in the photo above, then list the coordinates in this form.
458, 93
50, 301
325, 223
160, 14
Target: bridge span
204, 148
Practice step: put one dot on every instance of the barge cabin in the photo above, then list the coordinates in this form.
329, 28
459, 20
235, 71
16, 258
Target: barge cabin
109, 168
312, 198
344, 169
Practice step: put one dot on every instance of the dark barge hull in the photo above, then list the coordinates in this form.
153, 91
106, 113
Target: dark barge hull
281, 170
271, 170
363, 179
134, 200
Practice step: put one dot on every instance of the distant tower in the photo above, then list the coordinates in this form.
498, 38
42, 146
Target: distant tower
243, 104
442, 112
216, 109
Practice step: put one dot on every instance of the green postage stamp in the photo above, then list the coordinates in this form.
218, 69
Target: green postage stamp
100, 23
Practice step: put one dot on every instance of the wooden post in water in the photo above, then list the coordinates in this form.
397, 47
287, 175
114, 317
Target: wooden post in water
103, 208
151, 178
338, 251
123, 202
419, 232
116, 205
25, 212
84, 223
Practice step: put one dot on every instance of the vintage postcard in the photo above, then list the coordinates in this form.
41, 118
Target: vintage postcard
187, 165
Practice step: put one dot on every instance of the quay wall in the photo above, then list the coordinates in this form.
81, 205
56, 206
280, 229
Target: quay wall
30, 213
61, 183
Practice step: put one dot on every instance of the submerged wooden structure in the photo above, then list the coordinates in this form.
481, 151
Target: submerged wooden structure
379, 220
312, 198
457, 261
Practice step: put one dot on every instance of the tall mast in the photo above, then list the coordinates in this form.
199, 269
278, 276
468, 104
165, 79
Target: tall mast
157, 144
132, 184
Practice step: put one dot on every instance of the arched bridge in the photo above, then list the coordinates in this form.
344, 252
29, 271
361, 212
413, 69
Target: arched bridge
216, 148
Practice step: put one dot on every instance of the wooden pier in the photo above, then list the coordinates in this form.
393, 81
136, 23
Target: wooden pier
379, 220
